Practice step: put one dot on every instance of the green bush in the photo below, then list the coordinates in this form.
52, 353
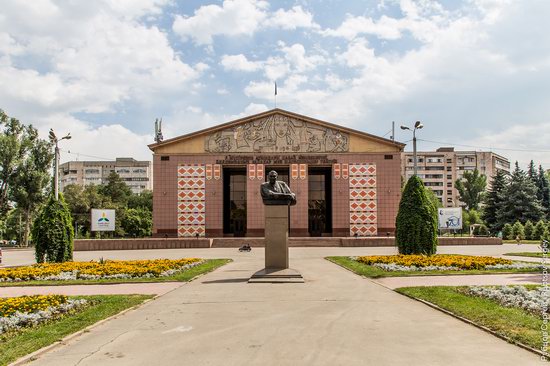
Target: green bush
546, 235
481, 230
137, 222
53, 233
539, 230
529, 229
416, 222
507, 232
517, 231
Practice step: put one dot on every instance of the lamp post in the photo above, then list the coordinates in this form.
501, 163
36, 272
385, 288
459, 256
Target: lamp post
417, 126
54, 139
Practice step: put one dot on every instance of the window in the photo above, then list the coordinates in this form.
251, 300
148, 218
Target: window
449, 193
92, 171
449, 168
449, 161
449, 184
164, 158
140, 170
449, 176
388, 157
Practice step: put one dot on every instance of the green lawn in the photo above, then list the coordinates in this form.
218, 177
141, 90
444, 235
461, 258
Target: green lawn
375, 272
208, 266
513, 323
528, 254
14, 346
522, 242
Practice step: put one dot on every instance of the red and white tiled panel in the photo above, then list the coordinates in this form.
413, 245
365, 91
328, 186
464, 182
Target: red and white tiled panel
189, 207
363, 206
251, 171
208, 171
185, 171
362, 194
345, 171
336, 170
363, 229
363, 217
192, 199
217, 171
260, 169
303, 171
191, 230
294, 171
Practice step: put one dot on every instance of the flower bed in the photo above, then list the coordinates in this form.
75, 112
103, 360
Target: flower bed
98, 270
534, 301
29, 311
440, 262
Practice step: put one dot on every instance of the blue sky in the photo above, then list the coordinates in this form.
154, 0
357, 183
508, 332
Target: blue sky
476, 72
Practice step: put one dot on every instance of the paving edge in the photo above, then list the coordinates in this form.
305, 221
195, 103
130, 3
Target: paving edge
34, 355
468, 321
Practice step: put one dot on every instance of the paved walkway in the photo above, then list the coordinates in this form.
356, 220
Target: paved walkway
461, 280
335, 318
114, 289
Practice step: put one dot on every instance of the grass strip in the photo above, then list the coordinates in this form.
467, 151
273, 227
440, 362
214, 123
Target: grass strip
208, 266
515, 324
376, 272
526, 254
14, 346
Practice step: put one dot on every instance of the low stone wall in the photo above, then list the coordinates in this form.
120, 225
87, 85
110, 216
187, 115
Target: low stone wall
134, 244
175, 243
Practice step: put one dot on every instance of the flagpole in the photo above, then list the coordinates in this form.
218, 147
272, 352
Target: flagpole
275, 94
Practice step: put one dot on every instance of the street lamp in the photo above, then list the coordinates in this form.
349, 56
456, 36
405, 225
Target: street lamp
54, 139
417, 126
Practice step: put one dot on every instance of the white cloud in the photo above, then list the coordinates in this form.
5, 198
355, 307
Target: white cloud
296, 55
239, 63
233, 18
291, 19
384, 28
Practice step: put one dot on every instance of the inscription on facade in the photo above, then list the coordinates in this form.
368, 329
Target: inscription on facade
276, 159
277, 134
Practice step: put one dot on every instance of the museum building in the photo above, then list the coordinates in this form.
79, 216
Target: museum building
207, 183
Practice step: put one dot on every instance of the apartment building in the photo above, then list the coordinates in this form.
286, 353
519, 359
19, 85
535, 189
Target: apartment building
136, 174
441, 168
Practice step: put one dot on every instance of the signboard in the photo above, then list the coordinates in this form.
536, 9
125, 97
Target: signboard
103, 220
450, 218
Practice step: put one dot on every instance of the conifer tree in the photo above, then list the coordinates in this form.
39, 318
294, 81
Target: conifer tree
520, 200
493, 201
529, 229
539, 230
518, 231
507, 232
544, 191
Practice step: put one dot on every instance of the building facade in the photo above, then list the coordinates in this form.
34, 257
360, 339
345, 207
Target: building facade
136, 174
207, 183
441, 168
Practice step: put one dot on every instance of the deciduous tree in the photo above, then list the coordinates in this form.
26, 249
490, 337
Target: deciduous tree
471, 188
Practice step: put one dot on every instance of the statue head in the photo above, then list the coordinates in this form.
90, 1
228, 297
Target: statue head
272, 176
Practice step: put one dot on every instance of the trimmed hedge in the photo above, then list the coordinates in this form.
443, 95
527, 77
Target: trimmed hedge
53, 232
416, 222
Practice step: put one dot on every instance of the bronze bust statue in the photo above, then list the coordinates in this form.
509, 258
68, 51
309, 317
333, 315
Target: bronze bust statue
276, 192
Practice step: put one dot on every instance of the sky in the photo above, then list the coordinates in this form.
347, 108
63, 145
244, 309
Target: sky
475, 72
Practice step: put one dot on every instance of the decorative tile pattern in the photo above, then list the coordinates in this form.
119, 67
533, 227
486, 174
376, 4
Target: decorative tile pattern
192, 198
260, 169
294, 171
251, 171
217, 171
336, 170
345, 171
363, 216
303, 171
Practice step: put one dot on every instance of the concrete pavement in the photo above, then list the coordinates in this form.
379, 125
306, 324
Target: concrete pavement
335, 318
462, 280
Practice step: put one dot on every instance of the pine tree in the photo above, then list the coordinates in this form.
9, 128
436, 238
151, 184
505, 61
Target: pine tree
493, 201
518, 231
416, 222
539, 230
520, 200
529, 229
544, 191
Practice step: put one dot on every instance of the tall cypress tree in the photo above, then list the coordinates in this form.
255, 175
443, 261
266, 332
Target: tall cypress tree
544, 191
520, 200
494, 200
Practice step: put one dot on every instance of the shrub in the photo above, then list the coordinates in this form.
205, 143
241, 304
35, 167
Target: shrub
529, 229
416, 222
53, 233
517, 231
507, 232
482, 230
539, 230
546, 235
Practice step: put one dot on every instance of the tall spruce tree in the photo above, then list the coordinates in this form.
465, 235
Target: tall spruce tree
544, 191
494, 199
520, 200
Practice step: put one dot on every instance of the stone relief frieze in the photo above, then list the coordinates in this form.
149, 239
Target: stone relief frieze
277, 133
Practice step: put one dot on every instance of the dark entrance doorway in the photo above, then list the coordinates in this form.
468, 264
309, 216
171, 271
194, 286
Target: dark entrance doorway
319, 201
234, 201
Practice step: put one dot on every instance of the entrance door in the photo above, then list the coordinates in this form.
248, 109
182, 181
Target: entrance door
319, 201
234, 201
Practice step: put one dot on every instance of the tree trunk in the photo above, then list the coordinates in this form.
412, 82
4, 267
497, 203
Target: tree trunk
27, 227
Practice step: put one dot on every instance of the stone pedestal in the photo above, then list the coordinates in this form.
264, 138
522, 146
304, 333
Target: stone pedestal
276, 249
